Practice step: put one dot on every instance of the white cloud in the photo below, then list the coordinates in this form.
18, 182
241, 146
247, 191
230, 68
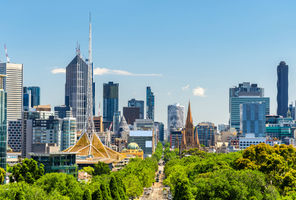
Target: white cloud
58, 71
103, 71
186, 87
199, 91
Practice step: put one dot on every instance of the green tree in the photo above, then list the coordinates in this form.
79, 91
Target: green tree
86, 195
65, 184
182, 191
101, 168
97, 195
28, 171
105, 192
114, 188
2, 175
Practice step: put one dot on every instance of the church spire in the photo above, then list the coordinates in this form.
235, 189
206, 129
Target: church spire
189, 121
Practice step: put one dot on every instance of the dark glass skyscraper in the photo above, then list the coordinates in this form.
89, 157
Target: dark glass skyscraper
282, 89
35, 95
76, 89
110, 101
149, 104
137, 104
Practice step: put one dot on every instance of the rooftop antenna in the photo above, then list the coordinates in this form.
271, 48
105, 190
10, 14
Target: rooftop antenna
6, 54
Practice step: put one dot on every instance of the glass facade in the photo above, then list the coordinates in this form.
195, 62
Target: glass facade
282, 89
253, 118
235, 103
35, 95
3, 128
110, 101
206, 133
149, 104
137, 104
68, 137
57, 162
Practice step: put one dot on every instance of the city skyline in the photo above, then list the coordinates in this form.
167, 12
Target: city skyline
176, 60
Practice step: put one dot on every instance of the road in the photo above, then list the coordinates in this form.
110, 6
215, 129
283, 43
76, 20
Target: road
156, 192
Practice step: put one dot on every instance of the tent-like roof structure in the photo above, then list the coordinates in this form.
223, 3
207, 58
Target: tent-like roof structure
91, 148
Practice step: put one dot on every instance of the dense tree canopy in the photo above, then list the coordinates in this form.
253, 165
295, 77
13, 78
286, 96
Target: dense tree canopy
28, 171
259, 172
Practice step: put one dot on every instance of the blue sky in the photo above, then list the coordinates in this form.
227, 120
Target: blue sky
210, 45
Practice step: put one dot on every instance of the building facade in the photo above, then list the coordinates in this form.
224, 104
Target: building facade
131, 114
62, 111
76, 89
15, 135
175, 117
13, 85
110, 101
207, 132
150, 101
245, 93
3, 124
31, 97
252, 116
138, 104
68, 137
282, 89
144, 139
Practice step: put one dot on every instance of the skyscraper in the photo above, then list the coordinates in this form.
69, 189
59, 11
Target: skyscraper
175, 117
149, 104
282, 89
13, 85
137, 104
31, 97
244, 93
3, 123
252, 116
110, 101
76, 89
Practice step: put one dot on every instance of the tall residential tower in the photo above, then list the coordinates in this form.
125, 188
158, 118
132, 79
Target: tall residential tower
149, 104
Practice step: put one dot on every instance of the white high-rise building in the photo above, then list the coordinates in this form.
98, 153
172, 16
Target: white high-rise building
13, 85
175, 117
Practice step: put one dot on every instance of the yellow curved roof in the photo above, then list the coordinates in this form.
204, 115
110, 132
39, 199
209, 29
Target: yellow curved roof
92, 148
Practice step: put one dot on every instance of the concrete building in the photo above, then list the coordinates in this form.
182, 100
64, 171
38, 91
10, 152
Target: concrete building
145, 140
15, 135
252, 116
245, 93
13, 85
98, 122
175, 117
250, 139
175, 139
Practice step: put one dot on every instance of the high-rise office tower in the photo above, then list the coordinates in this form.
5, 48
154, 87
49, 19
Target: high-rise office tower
68, 137
252, 117
3, 123
13, 85
175, 117
131, 114
206, 133
138, 104
110, 101
282, 89
31, 97
14, 131
149, 104
244, 93
62, 111
76, 89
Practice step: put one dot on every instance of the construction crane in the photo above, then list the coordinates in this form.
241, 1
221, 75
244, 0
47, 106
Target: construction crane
6, 54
